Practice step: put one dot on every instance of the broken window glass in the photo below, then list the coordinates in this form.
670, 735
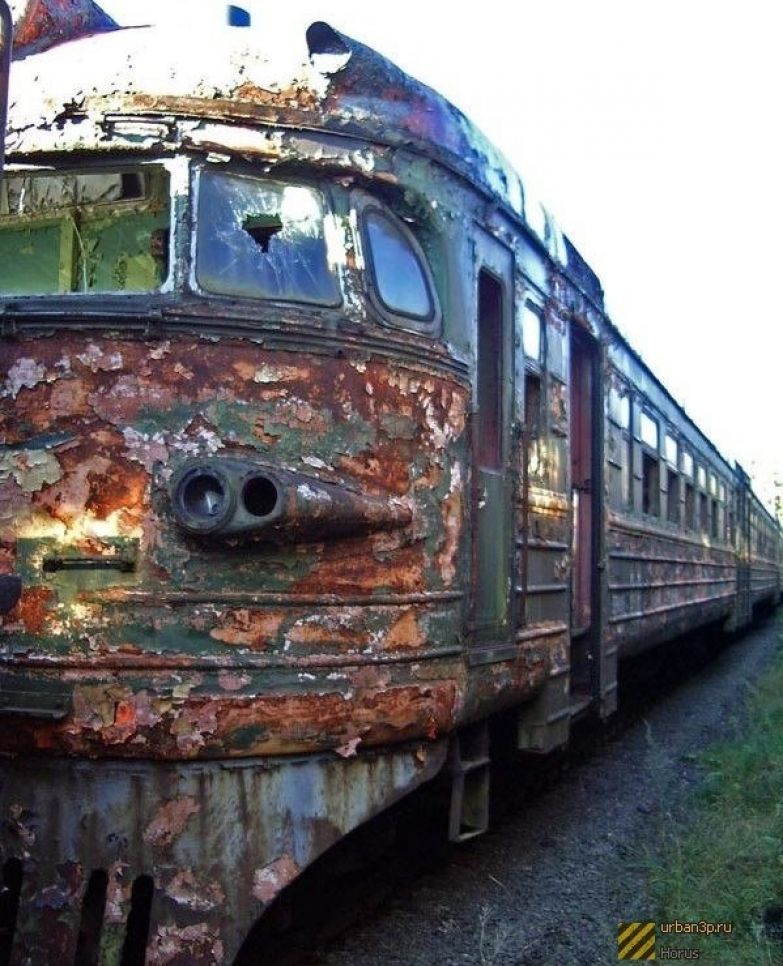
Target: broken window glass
398, 274
87, 232
262, 239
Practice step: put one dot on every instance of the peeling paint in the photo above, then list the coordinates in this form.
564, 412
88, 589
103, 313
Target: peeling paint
199, 942
270, 880
32, 469
25, 372
170, 821
211, 707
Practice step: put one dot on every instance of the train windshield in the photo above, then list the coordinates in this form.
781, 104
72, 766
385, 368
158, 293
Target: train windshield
86, 232
262, 239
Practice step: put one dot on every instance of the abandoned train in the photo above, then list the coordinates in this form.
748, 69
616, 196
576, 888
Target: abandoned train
317, 450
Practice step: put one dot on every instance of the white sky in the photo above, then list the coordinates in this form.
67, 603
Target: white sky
653, 133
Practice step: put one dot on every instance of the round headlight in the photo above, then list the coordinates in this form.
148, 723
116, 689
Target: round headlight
203, 499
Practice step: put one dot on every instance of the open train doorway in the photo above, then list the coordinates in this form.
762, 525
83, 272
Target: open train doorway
585, 502
492, 488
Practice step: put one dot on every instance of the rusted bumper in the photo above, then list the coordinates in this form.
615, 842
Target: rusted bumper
218, 841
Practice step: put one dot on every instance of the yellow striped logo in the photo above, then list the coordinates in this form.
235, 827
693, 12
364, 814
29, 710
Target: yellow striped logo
636, 940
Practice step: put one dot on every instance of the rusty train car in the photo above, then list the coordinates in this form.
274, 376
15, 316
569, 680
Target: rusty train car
317, 450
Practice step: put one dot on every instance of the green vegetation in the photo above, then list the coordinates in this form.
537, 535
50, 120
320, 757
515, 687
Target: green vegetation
727, 865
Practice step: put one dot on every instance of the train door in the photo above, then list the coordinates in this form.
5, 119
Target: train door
492, 478
585, 494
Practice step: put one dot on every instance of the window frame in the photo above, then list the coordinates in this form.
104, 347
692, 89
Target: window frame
431, 326
653, 455
105, 167
329, 207
535, 363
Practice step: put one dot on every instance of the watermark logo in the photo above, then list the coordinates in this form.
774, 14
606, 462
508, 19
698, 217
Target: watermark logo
636, 940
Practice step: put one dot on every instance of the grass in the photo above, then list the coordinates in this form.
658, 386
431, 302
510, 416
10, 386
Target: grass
727, 864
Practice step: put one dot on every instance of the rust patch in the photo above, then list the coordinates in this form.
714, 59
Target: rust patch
273, 878
405, 633
170, 821
192, 726
68, 399
198, 943
115, 489
386, 469
229, 681
297, 96
338, 630
187, 889
33, 609
404, 573
247, 628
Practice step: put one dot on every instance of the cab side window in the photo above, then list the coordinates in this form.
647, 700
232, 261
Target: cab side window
397, 273
397, 276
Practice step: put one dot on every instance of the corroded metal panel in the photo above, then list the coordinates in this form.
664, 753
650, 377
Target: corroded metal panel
219, 842
661, 585
117, 594
40, 24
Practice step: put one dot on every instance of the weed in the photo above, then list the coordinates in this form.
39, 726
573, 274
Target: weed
727, 866
494, 938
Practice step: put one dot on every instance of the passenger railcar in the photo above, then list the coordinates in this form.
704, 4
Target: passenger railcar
317, 450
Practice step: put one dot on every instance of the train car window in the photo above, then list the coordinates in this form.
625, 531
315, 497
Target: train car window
690, 506
532, 341
533, 427
398, 274
651, 485
672, 496
262, 239
619, 408
648, 430
84, 232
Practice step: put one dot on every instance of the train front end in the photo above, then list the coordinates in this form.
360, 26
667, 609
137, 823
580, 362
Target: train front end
232, 463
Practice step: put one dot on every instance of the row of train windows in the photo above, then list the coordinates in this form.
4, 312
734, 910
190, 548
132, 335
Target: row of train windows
764, 541
108, 231
694, 496
687, 505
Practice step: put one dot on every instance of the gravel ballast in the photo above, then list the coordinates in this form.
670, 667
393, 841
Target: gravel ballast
551, 882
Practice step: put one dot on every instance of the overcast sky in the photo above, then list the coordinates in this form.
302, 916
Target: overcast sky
652, 131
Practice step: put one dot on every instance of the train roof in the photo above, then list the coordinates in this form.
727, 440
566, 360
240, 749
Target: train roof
289, 74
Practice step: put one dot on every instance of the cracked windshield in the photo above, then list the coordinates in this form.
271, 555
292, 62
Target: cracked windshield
261, 239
